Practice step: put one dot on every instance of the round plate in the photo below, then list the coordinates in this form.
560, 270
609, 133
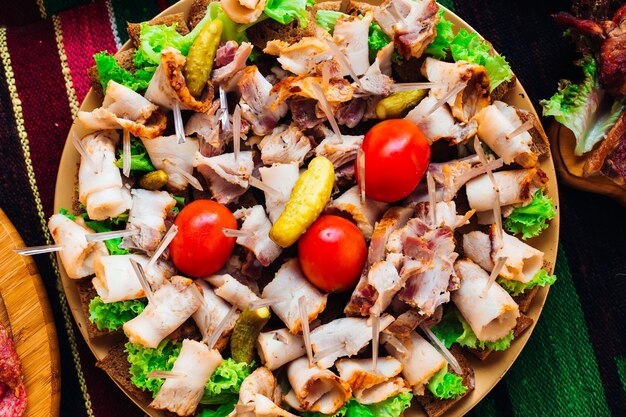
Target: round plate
25, 313
487, 372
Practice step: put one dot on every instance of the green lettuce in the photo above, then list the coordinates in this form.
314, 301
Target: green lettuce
111, 316
531, 219
541, 278
454, 329
441, 45
286, 11
139, 159
225, 382
231, 30
144, 360
391, 407
327, 18
109, 69
469, 47
581, 108
376, 40
446, 385
113, 245
222, 411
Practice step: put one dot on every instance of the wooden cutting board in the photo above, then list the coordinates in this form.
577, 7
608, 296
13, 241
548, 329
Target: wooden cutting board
26, 314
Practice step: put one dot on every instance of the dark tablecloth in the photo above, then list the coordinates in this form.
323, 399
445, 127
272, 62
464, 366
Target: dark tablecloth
575, 362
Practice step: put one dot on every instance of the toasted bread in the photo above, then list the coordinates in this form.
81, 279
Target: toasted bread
502, 90
123, 58
87, 293
177, 19
525, 299
197, 12
540, 144
523, 323
435, 407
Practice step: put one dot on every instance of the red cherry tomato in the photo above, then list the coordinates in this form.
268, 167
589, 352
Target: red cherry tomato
200, 248
396, 157
332, 254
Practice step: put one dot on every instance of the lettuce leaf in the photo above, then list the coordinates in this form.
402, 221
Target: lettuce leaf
286, 11
111, 316
231, 30
109, 69
144, 360
446, 385
222, 411
469, 47
531, 219
327, 18
139, 159
225, 382
113, 245
441, 45
581, 108
454, 329
541, 278
391, 407
376, 40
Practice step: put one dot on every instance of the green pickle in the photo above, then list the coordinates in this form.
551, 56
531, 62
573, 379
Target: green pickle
199, 62
397, 104
246, 331
154, 180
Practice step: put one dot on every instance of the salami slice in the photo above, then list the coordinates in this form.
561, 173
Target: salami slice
12, 390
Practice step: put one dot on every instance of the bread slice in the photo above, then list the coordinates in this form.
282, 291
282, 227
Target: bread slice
86, 293
502, 90
435, 407
523, 323
197, 12
123, 58
525, 299
177, 19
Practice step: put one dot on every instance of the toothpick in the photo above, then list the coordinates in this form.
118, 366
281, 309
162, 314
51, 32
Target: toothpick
143, 280
432, 197
325, 74
257, 183
456, 367
396, 88
236, 233
165, 374
224, 109
496, 204
162, 246
306, 334
360, 163
524, 127
36, 250
102, 236
217, 331
78, 144
375, 340
190, 178
343, 61
126, 153
178, 123
237, 131
396, 343
321, 98
494, 274
263, 302
446, 97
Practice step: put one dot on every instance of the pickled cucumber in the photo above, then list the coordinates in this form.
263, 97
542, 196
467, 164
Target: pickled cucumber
199, 62
246, 331
308, 198
154, 180
397, 104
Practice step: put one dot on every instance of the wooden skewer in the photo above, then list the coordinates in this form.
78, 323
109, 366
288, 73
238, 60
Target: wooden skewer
396, 88
236, 233
343, 61
524, 127
432, 197
78, 144
263, 302
126, 153
190, 178
325, 105
443, 349
375, 340
360, 163
165, 374
217, 332
257, 183
494, 274
224, 109
456, 90
496, 204
162, 246
36, 250
325, 74
178, 123
102, 236
396, 343
237, 131
143, 280
306, 334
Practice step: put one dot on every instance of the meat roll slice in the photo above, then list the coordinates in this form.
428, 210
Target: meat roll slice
181, 395
78, 256
282, 178
491, 315
233, 291
147, 214
258, 104
258, 225
300, 57
440, 124
372, 386
238, 63
350, 34
278, 347
165, 151
227, 178
364, 213
211, 313
259, 395
286, 144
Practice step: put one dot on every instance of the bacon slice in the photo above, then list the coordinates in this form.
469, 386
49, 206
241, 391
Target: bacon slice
278, 347
165, 151
284, 145
147, 214
227, 178
369, 386
233, 291
260, 106
211, 313
364, 213
258, 240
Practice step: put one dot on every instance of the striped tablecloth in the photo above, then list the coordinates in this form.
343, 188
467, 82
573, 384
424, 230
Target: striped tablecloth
575, 362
